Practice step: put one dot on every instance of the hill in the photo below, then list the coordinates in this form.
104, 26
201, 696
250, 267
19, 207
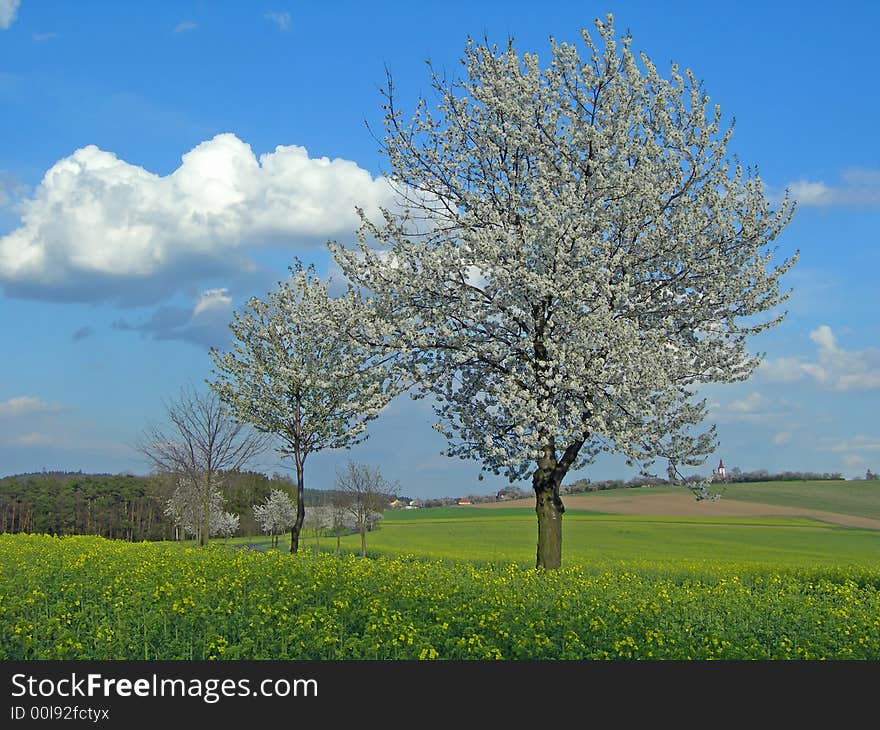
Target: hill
849, 503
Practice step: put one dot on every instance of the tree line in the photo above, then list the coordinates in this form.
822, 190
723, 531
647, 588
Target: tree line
122, 506
735, 475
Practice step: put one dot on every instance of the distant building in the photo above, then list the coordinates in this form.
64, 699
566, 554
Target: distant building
720, 472
464, 501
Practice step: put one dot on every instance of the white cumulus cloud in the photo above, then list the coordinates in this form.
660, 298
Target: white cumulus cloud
8, 9
752, 403
834, 368
97, 218
753, 408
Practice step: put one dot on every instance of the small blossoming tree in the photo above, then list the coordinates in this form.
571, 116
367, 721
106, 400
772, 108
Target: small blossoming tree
575, 256
186, 508
276, 515
296, 370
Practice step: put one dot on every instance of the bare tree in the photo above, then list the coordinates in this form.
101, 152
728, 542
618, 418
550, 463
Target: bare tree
366, 494
201, 442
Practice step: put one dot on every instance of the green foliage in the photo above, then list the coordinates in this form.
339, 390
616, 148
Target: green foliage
115, 506
120, 506
90, 598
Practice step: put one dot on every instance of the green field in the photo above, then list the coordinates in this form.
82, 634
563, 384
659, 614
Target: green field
587, 539
594, 537
453, 583
860, 498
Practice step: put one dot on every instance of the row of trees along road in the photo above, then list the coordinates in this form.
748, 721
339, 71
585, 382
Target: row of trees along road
204, 445
571, 256
356, 504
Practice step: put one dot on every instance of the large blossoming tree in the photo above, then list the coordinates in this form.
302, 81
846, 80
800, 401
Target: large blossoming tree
576, 254
296, 370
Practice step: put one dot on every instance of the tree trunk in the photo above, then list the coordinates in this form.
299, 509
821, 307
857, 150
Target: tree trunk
548, 506
204, 532
363, 541
549, 509
300, 506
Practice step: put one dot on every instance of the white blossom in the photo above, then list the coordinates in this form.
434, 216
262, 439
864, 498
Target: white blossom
622, 259
186, 508
306, 367
277, 514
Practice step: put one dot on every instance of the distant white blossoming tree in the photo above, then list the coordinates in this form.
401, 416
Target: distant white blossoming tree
186, 508
296, 370
574, 256
276, 515
318, 520
227, 524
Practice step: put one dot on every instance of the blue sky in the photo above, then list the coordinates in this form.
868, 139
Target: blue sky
118, 120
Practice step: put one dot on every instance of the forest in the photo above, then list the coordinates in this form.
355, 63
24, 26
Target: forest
121, 506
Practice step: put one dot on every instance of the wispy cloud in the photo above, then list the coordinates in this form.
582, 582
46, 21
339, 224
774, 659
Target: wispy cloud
25, 405
41, 37
854, 461
834, 368
858, 187
752, 408
281, 20
205, 325
82, 333
211, 301
185, 26
30, 439
782, 437
11, 189
857, 443
8, 10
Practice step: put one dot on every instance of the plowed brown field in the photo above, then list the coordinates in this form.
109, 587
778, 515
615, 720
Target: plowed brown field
684, 505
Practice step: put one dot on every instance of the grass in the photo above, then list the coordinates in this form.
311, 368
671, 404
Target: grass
590, 539
860, 498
